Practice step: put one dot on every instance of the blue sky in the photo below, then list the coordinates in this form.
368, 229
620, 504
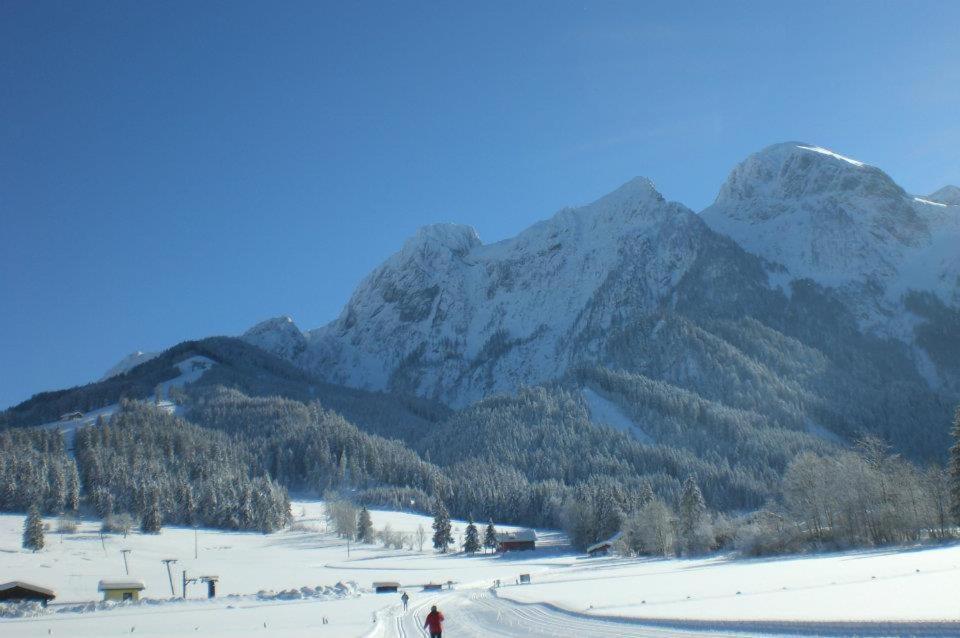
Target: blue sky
173, 170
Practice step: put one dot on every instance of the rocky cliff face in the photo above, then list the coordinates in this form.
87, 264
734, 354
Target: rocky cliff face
806, 262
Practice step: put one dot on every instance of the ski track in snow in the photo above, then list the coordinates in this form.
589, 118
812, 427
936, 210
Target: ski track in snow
481, 614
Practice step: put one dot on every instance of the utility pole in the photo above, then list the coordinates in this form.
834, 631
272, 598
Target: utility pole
126, 565
195, 542
167, 562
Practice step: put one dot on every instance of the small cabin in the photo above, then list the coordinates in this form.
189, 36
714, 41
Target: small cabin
386, 587
18, 591
603, 548
121, 589
524, 579
70, 416
433, 587
523, 539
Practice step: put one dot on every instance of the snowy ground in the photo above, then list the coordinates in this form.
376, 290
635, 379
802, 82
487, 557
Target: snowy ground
570, 595
246, 563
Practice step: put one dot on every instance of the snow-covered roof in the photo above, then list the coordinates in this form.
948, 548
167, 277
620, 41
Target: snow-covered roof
519, 535
120, 583
386, 583
607, 543
19, 583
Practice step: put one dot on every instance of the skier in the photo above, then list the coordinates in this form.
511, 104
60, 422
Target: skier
406, 600
434, 622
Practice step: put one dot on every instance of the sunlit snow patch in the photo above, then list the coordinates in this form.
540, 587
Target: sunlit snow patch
607, 412
824, 151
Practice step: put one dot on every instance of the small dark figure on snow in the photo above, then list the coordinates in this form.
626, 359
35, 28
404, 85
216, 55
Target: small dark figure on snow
406, 600
434, 623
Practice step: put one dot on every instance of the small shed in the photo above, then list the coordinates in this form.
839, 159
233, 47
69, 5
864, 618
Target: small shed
524, 579
386, 587
603, 548
523, 539
121, 589
17, 591
433, 587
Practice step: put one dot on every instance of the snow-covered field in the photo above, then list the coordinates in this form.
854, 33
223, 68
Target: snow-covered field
890, 585
569, 594
246, 563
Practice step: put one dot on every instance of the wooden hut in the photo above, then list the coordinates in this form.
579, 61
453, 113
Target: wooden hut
19, 591
121, 589
523, 539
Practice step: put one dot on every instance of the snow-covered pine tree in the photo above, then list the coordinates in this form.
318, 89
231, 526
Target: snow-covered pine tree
692, 524
471, 542
33, 530
646, 494
955, 468
442, 537
152, 520
364, 526
73, 488
490, 537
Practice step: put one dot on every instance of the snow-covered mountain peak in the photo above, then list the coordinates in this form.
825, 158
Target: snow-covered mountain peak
279, 335
454, 238
796, 170
949, 195
845, 225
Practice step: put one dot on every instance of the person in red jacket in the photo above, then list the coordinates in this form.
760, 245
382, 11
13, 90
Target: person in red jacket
434, 623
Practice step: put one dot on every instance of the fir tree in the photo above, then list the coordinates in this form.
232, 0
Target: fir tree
33, 530
152, 520
646, 494
364, 527
442, 537
471, 543
490, 537
692, 513
955, 468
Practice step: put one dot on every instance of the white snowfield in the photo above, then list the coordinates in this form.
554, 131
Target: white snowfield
882, 592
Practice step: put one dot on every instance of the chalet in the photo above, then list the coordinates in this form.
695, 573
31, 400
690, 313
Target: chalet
70, 416
386, 587
603, 548
121, 589
19, 591
515, 541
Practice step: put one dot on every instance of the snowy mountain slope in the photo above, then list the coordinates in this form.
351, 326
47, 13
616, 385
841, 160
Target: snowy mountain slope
279, 336
128, 363
451, 318
814, 290
949, 195
844, 225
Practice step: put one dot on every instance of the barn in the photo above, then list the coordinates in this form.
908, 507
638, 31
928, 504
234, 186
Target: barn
19, 591
603, 548
523, 539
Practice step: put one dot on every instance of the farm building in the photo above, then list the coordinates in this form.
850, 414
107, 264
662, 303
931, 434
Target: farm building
386, 587
514, 541
603, 548
121, 589
18, 591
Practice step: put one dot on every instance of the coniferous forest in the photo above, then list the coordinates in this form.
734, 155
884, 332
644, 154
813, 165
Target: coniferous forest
246, 435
